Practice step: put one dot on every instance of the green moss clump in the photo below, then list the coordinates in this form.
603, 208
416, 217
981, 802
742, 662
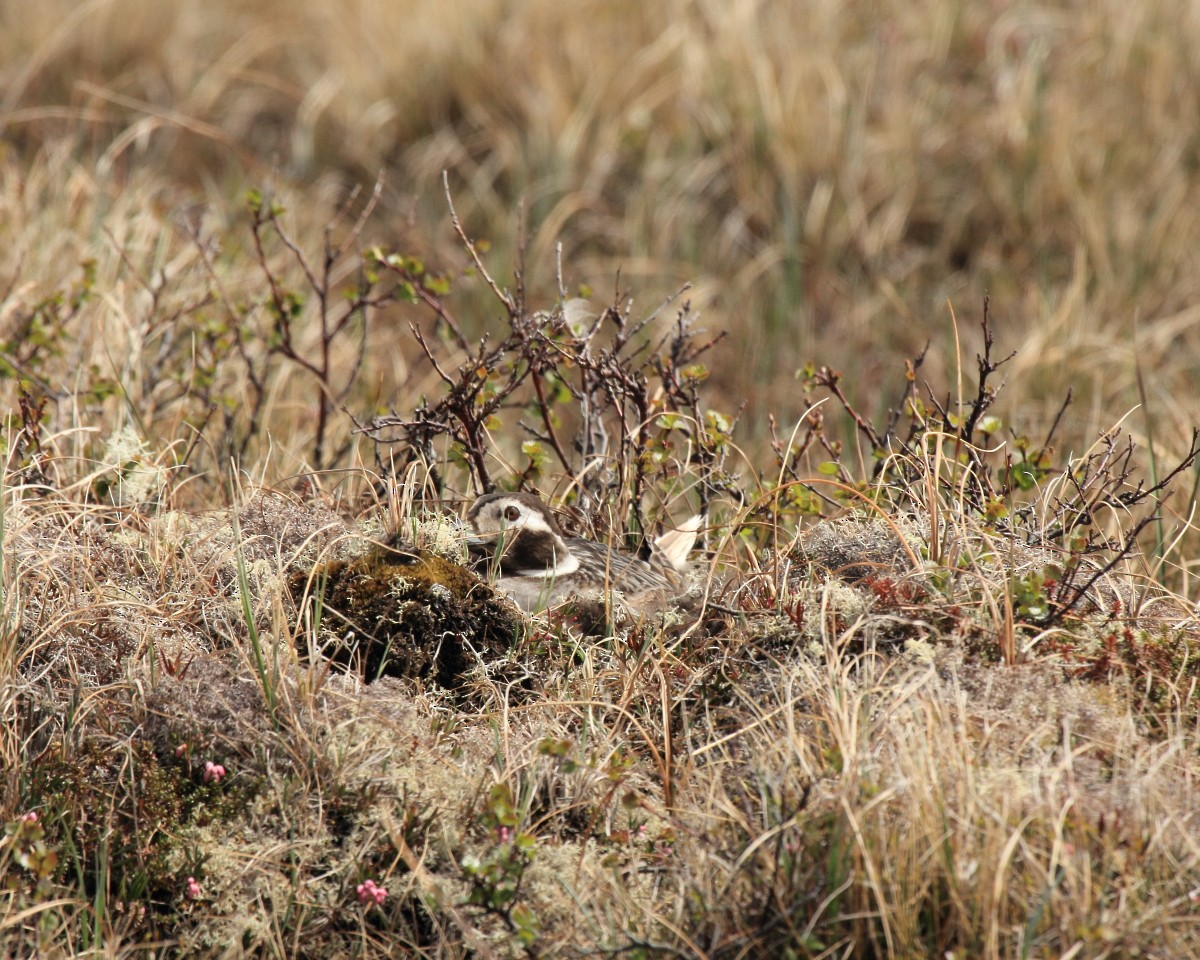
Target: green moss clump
403, 612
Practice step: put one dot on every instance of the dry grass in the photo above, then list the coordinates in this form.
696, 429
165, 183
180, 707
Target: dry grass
827, 175
851, 777
875, 741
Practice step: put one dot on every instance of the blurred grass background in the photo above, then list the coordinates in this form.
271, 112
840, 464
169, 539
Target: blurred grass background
831, 176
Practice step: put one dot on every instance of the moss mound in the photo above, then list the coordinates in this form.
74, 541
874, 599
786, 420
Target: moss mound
399, 611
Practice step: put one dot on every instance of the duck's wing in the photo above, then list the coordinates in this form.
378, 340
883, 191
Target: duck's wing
612, 570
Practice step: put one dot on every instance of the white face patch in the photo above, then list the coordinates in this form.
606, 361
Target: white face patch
504, 519
494, 523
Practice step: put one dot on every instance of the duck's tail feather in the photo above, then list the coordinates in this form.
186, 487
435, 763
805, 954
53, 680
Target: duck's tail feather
673, 546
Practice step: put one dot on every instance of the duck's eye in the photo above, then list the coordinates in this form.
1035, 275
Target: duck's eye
512, 514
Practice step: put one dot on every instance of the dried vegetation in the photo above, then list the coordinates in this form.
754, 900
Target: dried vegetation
936, 692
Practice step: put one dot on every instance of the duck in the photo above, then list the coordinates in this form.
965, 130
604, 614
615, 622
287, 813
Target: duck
516, 537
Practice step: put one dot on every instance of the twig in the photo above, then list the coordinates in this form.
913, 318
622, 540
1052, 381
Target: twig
470, 246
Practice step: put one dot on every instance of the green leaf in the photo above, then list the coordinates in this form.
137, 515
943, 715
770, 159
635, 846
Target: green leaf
439, 286
535, 452
1023, 475
526, 842
718, 422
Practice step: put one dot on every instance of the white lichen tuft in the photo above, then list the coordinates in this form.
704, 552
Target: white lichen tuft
136, 477
440, 535
921, 650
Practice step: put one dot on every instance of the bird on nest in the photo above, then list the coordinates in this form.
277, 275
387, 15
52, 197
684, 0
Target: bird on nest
538, 565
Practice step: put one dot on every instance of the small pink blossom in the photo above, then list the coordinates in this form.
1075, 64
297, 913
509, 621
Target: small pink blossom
181, 750
213, 771
504, 834
369, 892
192, 891
30, 817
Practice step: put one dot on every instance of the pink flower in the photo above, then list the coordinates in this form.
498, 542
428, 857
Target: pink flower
192, 891
369, 892
181, 750
213, 771
504, 834
30, 817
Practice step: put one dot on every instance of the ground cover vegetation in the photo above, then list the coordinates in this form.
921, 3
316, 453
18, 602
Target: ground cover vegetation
900, 298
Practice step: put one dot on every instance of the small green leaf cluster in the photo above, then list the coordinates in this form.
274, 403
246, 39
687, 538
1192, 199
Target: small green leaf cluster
495, 876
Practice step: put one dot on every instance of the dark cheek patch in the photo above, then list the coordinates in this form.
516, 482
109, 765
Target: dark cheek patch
522, 553
479, 554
